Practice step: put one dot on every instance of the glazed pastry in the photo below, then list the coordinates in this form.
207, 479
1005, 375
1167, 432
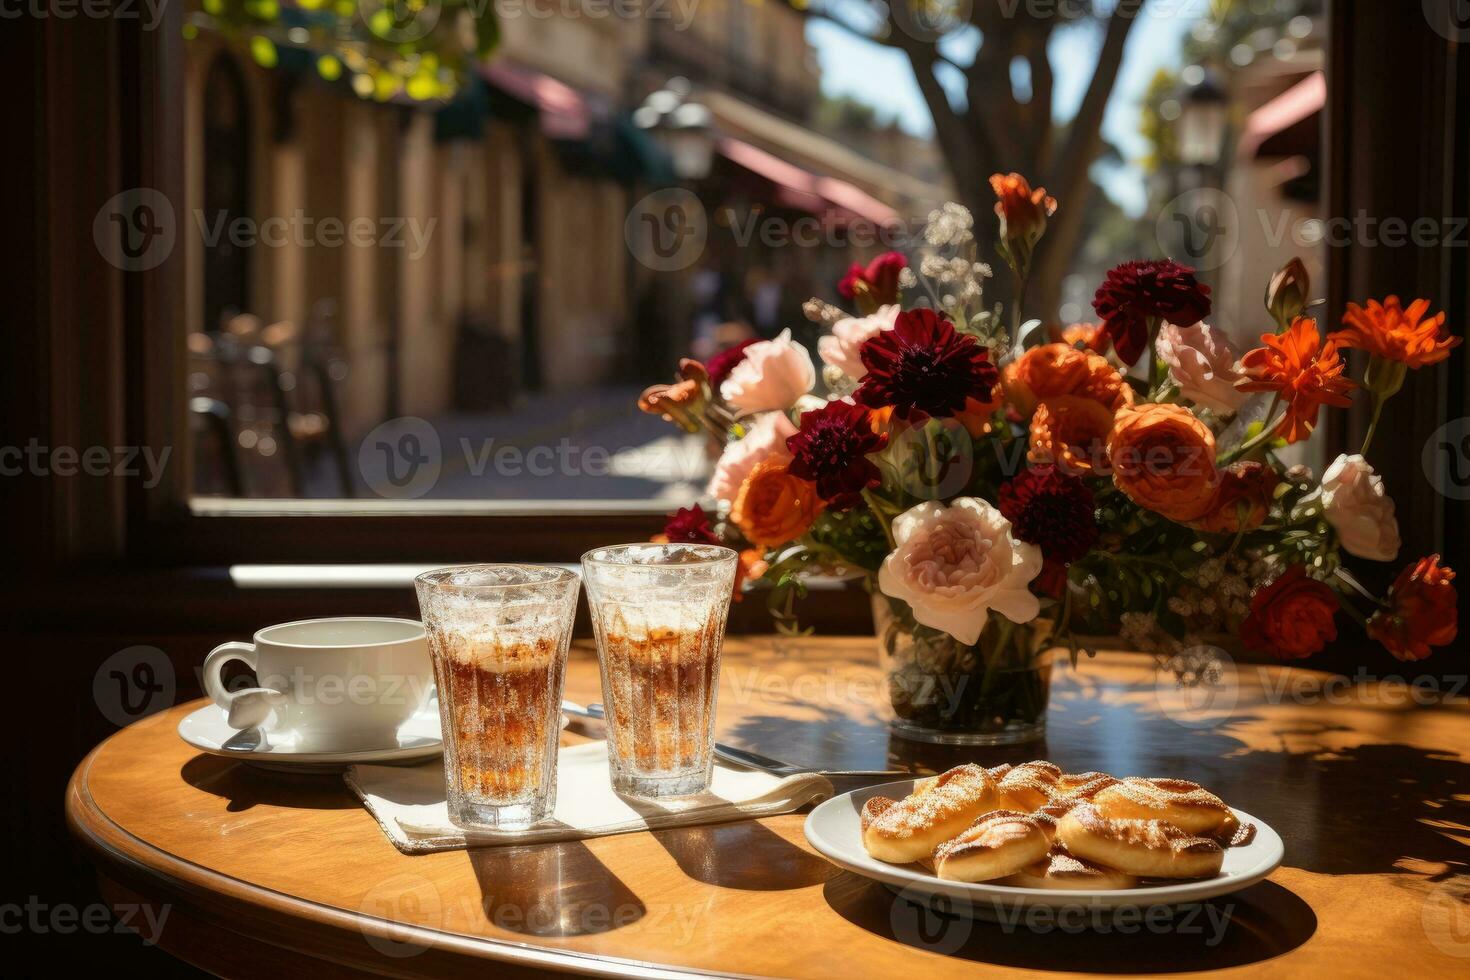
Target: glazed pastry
1145, 848
998, 844
1029, 787
1061, 871
1186, 805
939, 810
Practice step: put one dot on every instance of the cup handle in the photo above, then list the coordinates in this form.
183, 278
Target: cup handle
246, 708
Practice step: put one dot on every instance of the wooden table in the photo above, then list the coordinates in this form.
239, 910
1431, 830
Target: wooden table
265, 874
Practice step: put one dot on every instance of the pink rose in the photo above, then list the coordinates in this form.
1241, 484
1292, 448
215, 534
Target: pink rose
1202, 361
774, 374
842, 346
1360, 510
766, 439
954, 565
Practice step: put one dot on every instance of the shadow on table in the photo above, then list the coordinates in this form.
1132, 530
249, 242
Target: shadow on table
828, 738
744, 855
559, 889
246, 786
1251, 926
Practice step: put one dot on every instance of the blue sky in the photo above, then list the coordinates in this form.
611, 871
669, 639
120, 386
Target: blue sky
881, 77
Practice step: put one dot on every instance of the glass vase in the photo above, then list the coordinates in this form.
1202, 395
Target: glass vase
992, 692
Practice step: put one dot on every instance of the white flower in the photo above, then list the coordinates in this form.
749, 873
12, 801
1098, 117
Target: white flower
1203, 362
954, 565
1355, 503
766, 439
773, 375
842, 348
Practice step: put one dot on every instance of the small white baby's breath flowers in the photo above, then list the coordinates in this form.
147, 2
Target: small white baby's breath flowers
949, 224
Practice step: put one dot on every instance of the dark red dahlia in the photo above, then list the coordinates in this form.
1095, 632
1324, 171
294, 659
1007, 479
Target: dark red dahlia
880, 276
1052, 510
720, 366
690, 525
831, 449
923, 367
1137, 291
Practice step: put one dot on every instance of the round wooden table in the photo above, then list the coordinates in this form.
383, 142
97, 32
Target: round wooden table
248, 872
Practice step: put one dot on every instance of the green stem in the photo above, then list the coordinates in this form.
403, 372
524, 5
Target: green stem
1155, 376
1021, 283
1245, 448
1378, 401
871, 499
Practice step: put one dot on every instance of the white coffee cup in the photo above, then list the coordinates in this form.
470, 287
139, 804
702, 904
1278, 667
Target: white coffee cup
334, 684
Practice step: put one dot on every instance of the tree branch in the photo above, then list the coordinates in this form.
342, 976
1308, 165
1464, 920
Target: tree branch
1084, 136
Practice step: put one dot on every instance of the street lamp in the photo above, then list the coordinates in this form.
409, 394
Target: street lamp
684, 128
1203, 118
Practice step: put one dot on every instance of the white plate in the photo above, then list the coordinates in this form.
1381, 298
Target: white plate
834, 829
418, 738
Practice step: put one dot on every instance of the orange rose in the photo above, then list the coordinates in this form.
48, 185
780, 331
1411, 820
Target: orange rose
1421, 611
1070, 433
774, 507
1163, 458
1058, 369
1292, 618
1242, 501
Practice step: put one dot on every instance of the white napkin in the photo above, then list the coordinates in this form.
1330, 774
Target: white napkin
408, 802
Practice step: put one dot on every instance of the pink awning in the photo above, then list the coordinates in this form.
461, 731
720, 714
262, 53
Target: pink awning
564, 113
1300, 102
803, 190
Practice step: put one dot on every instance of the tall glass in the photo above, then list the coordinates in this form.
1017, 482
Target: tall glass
659, 615
498, 636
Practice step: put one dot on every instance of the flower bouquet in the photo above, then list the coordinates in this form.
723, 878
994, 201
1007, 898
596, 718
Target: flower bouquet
1004, 498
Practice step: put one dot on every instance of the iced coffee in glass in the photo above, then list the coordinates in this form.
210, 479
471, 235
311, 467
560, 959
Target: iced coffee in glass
659, 612
498, 637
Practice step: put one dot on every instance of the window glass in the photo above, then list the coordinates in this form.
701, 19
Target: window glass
437, 250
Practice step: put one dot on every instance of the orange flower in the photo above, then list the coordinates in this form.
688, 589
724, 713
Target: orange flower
881, 419
681, 403
1292, 618
774, 507
1089, 335
752, 565
1421, 611
1070, 433
1305, 372
1242, 501
976, 418
1058, 369
1163, 458
1022, 211
1389, 331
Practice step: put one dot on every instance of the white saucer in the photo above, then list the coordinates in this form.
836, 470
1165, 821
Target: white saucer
834, 829
419, 738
